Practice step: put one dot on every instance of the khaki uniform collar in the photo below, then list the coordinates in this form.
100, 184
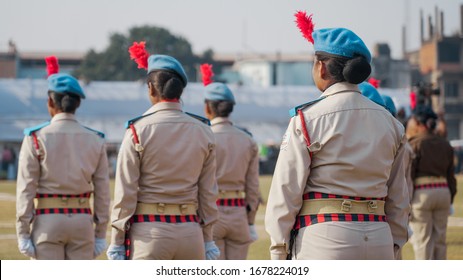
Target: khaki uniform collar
63, 116
219, 120
160, 106
340, 87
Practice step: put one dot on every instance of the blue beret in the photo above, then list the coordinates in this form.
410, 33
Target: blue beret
218, 92
165, 62
340, 41
369, 91
390, 106
64, 83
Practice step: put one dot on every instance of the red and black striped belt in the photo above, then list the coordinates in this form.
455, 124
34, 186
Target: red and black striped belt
233, 202
307, 220
62, 203
431, 186
171, 219
430, 182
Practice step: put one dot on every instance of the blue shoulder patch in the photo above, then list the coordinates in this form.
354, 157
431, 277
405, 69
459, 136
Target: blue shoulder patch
132, 121
30, 130
199, 118
244, 130
99, 133
293, 111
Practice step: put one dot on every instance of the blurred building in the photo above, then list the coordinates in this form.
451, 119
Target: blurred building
31, 65
393, 73
266, 70
437, 70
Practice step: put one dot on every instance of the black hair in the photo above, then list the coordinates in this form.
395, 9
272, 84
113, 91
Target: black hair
65, 102
353, 70
220, 108
168, 84
426, 116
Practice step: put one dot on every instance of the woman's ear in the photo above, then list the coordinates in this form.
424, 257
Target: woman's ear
151, 89
50, 102
207, 110
322, 69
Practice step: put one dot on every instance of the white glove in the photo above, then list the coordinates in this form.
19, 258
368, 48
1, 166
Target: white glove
278, 253
116, 252
452, 210
100, 246
26, 247
253, 233
410, 231
212, 252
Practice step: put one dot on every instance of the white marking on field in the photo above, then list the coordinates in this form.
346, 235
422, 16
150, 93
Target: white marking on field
7, 236
7, 197
455, 222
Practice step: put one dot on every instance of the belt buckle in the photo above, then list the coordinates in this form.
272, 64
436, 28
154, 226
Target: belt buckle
346, 205
372, 206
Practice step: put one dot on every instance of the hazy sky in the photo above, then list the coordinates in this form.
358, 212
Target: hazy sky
226, 26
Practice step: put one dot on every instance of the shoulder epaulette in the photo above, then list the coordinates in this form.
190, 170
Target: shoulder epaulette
293, 111
199, 118
30, 130
132, 121
99, 133
244, 130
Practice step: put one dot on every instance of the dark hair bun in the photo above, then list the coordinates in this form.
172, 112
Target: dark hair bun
172, 88
356, 70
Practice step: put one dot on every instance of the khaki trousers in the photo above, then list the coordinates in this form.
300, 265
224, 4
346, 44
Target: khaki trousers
345, 241
166, 241
231, 233
63, 237
430, 210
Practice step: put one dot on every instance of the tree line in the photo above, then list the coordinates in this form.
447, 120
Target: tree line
114, 64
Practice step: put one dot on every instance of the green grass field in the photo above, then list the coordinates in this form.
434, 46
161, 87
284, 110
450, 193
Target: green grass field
258, 250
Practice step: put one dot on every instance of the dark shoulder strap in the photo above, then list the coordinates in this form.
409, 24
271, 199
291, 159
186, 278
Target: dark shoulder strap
199, 118
99, 133
293, 112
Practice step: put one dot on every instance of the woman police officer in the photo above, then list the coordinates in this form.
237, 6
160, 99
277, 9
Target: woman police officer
237, 172
165, 191
434, 185
60, 164
338, 186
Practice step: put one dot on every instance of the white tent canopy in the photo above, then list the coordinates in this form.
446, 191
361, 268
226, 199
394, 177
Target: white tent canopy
263, 111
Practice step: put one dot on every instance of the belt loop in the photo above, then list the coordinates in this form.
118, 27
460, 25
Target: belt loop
161, 207
372, 206
346, 205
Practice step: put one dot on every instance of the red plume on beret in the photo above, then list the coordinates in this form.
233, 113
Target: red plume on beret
305, 25
52, 65
412, 100
374, 82
206, 72
139, 54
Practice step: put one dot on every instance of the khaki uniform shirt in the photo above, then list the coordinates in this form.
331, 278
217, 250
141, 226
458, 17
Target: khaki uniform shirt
73, 161
177, 166
433, 157
357, 151
237, 163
